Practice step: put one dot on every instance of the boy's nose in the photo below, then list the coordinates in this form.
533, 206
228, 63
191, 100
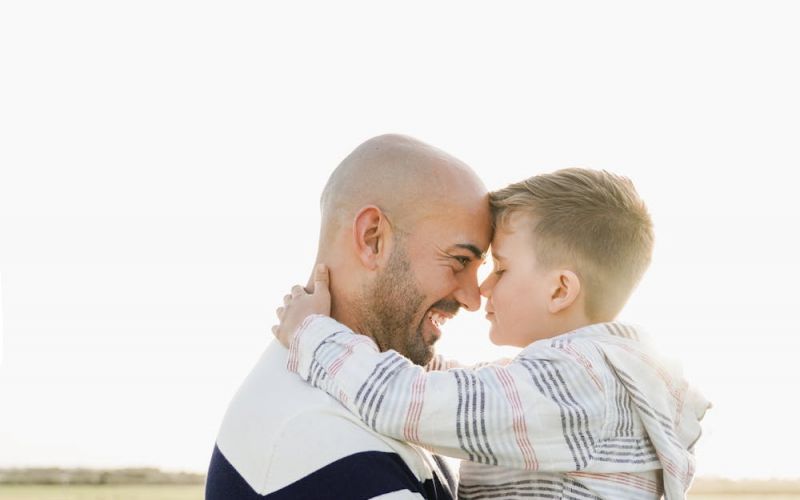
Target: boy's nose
486, 287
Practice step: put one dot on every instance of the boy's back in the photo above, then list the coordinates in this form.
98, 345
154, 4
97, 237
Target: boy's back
652, 420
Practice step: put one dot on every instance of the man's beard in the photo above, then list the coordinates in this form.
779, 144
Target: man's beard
389, 308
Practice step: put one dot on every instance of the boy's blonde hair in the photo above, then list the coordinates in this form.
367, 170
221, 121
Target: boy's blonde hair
591, 221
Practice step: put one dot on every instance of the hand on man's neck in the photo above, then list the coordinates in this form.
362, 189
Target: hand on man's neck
343, 308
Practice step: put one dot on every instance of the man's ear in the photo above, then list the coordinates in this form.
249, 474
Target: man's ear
565, 290
370, 230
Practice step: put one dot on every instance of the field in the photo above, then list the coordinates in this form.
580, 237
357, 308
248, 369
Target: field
122, 492
195, 492
745, 496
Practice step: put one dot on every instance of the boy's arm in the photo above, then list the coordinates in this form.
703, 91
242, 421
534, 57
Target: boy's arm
537, 413
439, 362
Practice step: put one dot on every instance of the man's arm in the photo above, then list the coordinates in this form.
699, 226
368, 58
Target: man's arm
541, 412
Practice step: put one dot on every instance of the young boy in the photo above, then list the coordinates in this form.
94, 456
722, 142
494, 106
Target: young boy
586, 410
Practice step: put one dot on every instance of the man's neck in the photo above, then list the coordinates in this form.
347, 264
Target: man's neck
343, 302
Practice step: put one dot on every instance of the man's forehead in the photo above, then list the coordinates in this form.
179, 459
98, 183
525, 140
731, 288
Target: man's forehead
457, 230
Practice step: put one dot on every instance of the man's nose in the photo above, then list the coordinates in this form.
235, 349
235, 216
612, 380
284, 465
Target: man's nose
484, 288
469, 295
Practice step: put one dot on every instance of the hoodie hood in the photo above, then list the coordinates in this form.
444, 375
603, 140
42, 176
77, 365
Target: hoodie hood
669, 407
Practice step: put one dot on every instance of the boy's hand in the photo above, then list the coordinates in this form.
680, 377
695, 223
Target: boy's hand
301, 304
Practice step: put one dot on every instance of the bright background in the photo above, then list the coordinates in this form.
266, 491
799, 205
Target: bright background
160, 166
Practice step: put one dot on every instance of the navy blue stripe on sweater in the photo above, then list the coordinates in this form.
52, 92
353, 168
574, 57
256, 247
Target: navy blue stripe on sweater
359, 476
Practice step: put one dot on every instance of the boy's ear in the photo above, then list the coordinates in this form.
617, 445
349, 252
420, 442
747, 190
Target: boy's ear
370, 230
565, 291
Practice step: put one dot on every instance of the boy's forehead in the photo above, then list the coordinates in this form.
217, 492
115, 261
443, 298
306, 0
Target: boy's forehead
508, 241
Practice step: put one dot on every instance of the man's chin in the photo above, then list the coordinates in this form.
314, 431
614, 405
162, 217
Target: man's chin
429, 355
422, 352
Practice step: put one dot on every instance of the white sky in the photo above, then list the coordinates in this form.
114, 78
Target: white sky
160, 165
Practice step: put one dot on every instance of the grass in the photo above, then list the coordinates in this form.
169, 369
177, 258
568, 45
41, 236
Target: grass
106, 492
744, 496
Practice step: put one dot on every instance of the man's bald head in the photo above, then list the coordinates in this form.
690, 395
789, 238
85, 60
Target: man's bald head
404, 229
406, 178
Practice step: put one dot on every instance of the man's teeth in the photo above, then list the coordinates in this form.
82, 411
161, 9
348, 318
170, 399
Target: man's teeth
438, 319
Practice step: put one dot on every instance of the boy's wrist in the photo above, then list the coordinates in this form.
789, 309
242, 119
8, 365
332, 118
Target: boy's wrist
305, 334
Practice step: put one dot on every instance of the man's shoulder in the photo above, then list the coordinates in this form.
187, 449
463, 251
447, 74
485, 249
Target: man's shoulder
272, 395
367, 474
277, 429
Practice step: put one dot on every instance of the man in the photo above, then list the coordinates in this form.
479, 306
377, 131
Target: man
404, 229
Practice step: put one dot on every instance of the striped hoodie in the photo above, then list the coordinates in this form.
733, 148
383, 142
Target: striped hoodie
592, 414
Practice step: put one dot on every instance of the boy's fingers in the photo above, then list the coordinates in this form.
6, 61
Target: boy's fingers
297, 290
275, 330
321, 278
286, 299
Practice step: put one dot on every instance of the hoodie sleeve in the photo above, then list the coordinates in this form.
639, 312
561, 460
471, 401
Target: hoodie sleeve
543, 411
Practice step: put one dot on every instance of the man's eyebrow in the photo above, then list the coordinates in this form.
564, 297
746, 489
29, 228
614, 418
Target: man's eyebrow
472, 248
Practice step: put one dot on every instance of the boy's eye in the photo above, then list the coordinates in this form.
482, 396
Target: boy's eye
499, 272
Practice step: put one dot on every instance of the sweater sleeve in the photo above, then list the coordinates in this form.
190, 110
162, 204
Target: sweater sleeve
542, 411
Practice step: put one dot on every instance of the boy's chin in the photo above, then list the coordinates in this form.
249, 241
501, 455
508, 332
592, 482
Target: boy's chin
496, 337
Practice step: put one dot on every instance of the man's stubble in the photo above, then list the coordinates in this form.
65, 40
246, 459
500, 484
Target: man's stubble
389, 308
